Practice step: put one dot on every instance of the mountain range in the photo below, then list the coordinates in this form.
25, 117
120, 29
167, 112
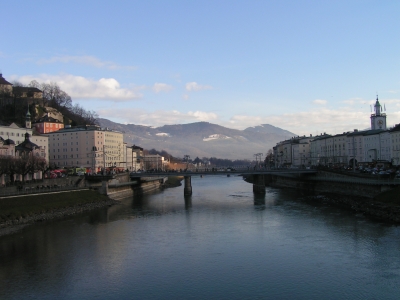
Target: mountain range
202, 139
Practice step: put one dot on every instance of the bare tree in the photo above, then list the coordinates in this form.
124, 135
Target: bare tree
39, 165
34, 84
4, 164
22, 165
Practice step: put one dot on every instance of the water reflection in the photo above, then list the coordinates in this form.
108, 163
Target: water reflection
188, 202
259, 200
228, 241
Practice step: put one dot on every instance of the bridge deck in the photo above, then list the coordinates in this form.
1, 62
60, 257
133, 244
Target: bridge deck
290, 173
236, 172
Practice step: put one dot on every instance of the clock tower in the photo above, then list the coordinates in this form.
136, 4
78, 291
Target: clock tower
378, 119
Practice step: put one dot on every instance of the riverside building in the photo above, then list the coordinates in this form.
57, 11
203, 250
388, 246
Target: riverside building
92, 147
16, 134
376, 146
294, 152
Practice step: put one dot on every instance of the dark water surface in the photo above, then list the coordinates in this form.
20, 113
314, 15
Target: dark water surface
223, 243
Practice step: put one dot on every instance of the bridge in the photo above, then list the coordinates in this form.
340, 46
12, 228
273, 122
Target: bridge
309, 177
258, 175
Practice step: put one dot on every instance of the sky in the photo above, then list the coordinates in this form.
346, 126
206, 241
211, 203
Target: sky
305, 66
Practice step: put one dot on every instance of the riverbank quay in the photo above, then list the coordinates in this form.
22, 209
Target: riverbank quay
376, 198
385, 207
19, 211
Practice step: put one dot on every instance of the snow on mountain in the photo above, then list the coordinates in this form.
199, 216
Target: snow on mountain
216, 137
163, 134
202, 139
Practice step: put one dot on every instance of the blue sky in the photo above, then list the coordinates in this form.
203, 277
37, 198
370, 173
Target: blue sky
305, 66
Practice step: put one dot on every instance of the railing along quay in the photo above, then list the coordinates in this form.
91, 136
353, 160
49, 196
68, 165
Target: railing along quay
15, 191
360, 181
355, 180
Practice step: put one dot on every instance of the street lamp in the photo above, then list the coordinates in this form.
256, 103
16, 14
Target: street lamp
258, 155
187, 160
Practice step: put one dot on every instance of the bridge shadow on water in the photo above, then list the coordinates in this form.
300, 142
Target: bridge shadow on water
188, 202
259, 201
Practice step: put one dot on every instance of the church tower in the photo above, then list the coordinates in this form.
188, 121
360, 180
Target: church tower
378, 119
28, 122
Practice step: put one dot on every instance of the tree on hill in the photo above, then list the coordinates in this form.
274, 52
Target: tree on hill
14, 110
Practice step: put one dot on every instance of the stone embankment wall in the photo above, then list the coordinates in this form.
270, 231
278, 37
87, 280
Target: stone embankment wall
121, 192
340, 188
369, 207
60, 182
361, 198
120, 188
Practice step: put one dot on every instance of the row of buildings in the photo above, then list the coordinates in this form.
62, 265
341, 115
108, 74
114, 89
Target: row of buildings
90, 147
376, 146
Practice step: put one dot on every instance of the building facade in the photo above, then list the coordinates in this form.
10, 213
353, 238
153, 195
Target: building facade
91, 147
134, 158
154, 162
17, 135
47, 124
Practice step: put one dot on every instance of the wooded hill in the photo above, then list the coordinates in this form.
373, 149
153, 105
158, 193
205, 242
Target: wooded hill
14, 105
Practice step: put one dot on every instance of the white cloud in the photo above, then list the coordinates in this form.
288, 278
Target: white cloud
302, 123
185, 97
203, 116
162, 87
311, 122
320, 102
155, 118
85, 60
318, 120
194, 86
79, 87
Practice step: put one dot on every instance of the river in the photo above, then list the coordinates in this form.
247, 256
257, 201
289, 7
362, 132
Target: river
223, 243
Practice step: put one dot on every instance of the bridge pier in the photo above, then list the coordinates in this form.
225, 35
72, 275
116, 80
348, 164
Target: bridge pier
258, 184
187, 191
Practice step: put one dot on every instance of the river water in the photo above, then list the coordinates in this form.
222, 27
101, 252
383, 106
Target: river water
223, 243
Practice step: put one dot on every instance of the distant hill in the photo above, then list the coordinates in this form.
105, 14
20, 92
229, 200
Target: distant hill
202, 139
268, 129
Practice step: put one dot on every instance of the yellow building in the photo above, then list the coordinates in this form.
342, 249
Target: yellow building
91, 147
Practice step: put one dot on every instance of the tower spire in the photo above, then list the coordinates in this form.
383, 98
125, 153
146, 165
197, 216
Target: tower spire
377, 106
28, 122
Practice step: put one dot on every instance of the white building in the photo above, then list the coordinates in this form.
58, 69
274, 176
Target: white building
293, 152
134, 158
90, 147
395, 145
374, 145
17, 134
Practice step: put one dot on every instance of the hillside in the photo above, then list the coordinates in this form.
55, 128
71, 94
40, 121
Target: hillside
202, 139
